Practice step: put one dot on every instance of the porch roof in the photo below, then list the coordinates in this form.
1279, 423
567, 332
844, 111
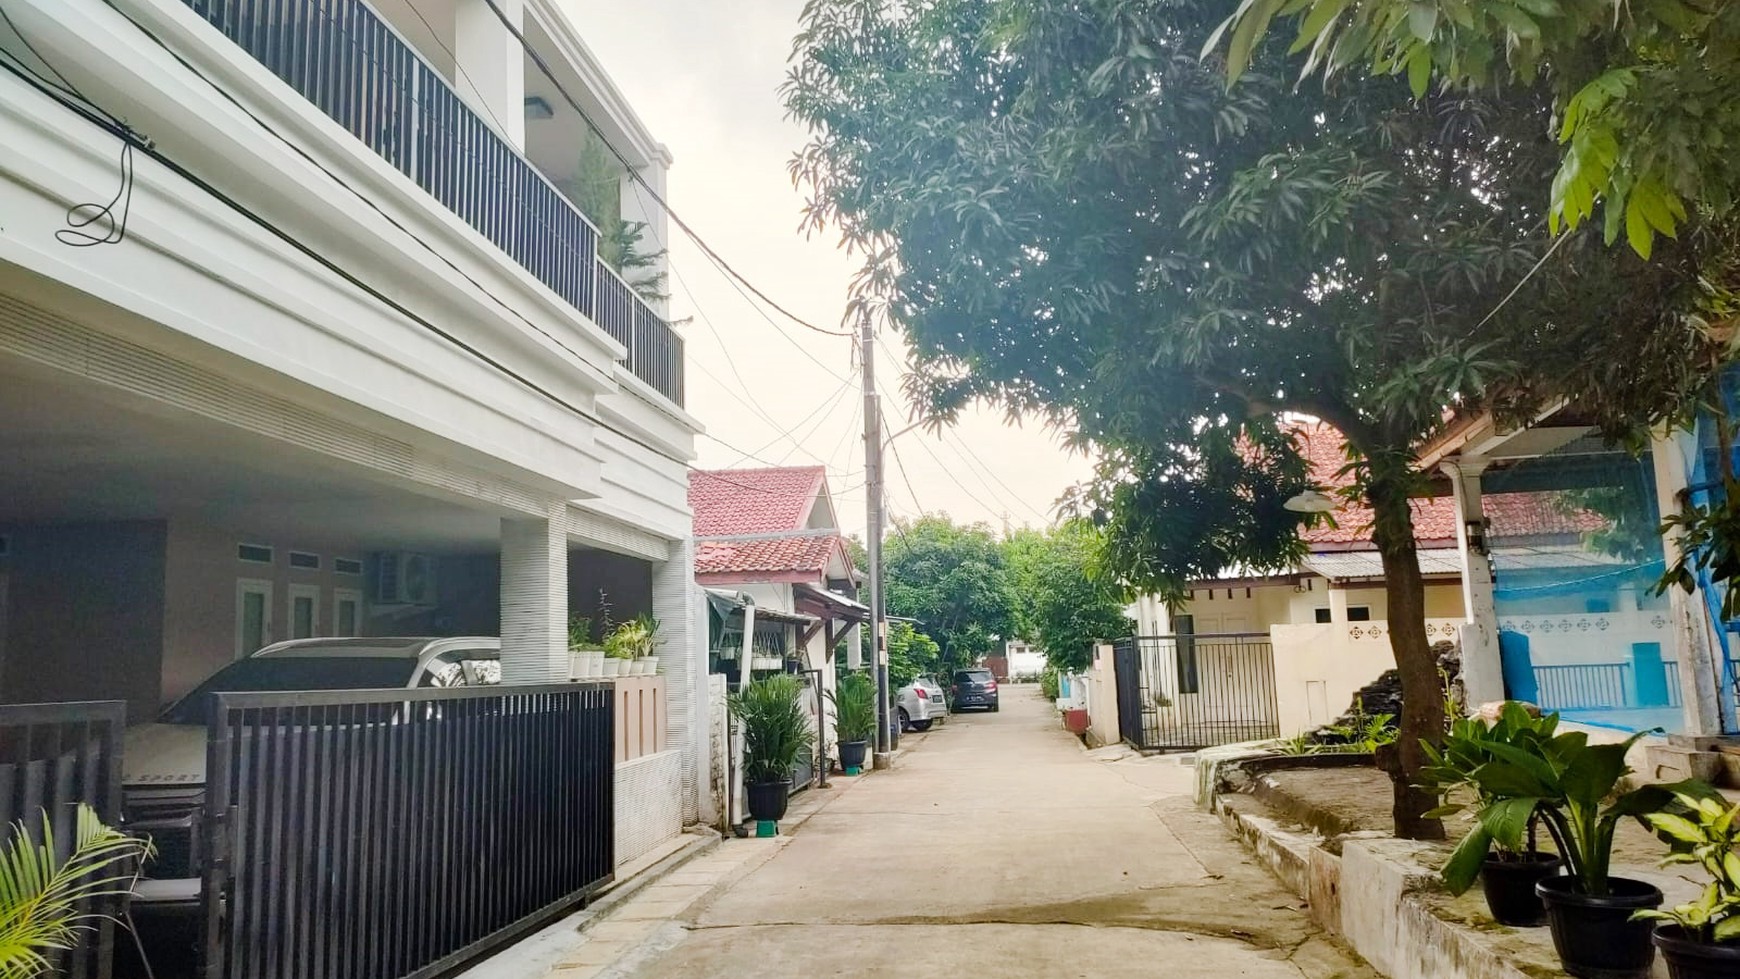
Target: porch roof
1435, 562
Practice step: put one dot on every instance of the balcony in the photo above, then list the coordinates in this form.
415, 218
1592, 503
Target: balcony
342, 57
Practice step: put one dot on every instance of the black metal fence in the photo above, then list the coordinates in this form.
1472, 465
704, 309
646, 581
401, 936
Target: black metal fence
1193, 691
341, 56
52, 758
386, 834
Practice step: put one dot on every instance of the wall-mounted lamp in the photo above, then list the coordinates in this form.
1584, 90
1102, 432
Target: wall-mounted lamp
537, 108
1474, 531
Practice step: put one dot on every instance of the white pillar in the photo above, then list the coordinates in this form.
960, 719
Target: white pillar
534, 601
1482, 669
491, 66
682, 616
1694, 643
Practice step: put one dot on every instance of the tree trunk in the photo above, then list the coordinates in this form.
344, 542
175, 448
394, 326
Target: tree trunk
1422, 694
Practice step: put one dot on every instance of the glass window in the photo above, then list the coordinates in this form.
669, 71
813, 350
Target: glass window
292, 673
1359, 613
1321, 616
302, 616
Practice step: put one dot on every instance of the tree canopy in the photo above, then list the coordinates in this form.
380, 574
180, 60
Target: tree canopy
953, 579
1643, 91
1065, 607
1067, 212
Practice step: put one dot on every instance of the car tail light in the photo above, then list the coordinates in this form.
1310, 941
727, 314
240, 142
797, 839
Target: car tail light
990, 684
922, 693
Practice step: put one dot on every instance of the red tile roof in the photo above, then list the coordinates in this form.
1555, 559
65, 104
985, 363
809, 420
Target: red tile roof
1510, 514
797, 553
753, 501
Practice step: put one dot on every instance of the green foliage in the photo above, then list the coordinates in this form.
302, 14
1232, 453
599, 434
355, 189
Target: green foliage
1704, 832
1521, 770
855, 707
953, 579
1048, 683
776, 728
634, 639
41, 895
1642, 92
1067, 213
1064, 605
580, 634
1362, 732
597, 190
910, 654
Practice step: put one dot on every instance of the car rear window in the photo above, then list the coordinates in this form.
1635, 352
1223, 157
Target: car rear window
292, 673
972, 676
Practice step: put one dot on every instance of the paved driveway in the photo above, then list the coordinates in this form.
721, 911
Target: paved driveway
997, 846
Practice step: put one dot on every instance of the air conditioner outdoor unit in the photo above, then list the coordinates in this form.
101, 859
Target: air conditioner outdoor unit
404, 579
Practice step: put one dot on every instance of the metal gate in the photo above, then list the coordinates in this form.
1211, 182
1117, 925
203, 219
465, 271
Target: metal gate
399, 833
1193, 691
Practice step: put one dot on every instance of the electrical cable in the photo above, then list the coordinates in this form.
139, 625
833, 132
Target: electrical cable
634, 175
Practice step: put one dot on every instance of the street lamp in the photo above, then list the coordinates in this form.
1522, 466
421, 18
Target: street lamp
1310, 501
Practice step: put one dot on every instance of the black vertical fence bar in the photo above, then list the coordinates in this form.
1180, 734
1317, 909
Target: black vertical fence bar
398, 834
54, 758
345, 59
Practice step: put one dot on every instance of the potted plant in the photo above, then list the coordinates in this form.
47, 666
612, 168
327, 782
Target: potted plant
854, 718
776, 732
1701, 940
1569, 785
643, 637
586, 658
1508, 868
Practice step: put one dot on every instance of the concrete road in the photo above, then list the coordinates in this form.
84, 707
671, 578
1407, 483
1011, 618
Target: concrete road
997, 846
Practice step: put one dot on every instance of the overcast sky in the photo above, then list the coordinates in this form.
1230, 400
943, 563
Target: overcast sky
703, 75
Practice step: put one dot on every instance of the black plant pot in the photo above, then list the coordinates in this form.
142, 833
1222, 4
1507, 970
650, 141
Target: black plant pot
1510, 887
1688, 959
852, 753
767, 800
1595, 936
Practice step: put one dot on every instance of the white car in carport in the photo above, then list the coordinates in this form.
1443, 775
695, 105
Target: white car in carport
921, 703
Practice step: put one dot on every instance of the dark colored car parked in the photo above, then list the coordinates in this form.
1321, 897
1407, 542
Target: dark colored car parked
973, 688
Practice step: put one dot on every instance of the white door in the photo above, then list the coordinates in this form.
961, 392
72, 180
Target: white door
346, 612
253, 615
304, 611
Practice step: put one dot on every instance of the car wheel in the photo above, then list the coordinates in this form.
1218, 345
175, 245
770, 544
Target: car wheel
993, 708
905, 719
921, 726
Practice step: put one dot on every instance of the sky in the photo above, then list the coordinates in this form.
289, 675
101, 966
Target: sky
703, 75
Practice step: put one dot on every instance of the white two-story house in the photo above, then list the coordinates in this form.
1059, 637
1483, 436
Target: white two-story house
303, 332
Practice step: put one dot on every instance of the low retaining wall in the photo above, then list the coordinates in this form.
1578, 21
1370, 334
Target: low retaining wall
1379, 895
649, 803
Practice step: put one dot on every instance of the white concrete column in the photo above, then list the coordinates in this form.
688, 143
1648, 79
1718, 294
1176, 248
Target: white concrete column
1482, 669
1695, 645
534, 601
682, 619
491, 65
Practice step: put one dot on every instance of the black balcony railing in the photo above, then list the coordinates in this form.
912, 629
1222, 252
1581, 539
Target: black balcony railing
346, 60
400, 833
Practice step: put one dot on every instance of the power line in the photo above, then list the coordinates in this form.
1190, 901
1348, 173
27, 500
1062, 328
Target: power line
634, 175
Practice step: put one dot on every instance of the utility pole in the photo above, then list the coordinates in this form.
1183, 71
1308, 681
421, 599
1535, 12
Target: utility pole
873, 537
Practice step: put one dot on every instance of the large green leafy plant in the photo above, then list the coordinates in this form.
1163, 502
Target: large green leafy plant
1705, 836
1520, 771
776, 728
47, 901
855, 708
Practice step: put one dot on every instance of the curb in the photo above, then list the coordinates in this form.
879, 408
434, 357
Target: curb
706, 840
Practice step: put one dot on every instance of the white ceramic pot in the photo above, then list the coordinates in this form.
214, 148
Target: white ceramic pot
612, 666
649, 665
594, 663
